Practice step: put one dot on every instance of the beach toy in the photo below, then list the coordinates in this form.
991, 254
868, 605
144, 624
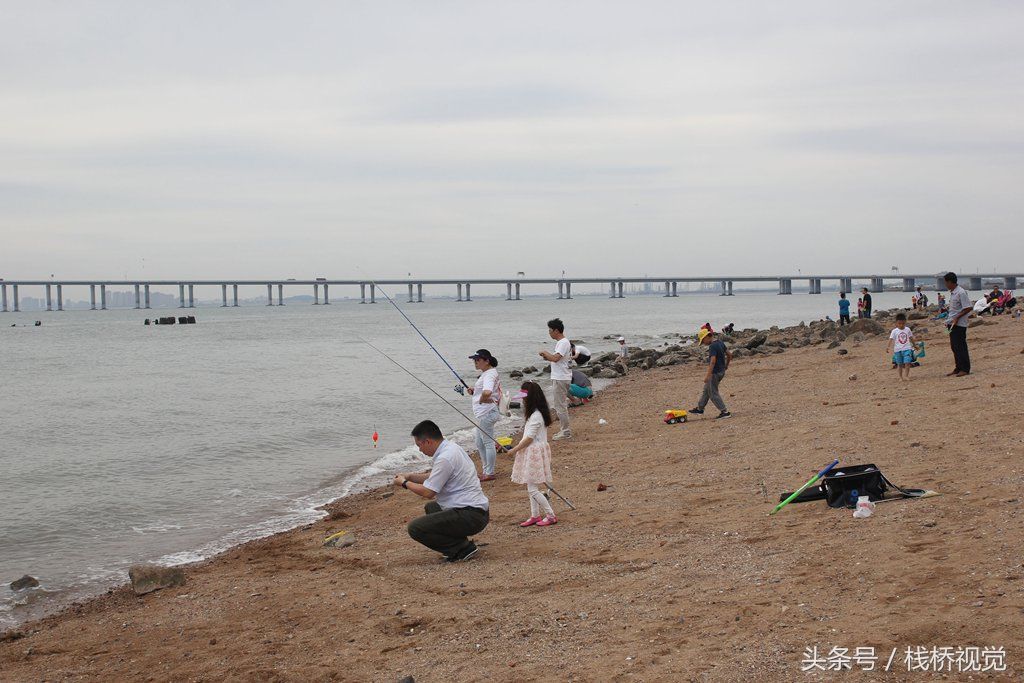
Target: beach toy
675, 416
375, 437
920, 349
504, 441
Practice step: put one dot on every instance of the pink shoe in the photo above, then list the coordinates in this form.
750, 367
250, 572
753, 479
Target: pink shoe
548, 521
531, 521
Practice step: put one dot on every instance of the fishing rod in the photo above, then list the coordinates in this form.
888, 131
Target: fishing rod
456, 409
432, 347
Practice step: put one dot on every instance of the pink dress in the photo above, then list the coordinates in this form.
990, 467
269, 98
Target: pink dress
533, 463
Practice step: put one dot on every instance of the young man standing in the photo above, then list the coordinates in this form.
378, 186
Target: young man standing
718, 362
460, 510
956, 322
844, 309
561, 376
866, 298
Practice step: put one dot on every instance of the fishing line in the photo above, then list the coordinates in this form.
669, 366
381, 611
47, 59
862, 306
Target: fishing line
456, 409
397, 308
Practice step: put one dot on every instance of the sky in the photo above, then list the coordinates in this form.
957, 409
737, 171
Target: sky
375, 139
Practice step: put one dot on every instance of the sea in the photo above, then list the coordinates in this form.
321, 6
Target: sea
122, 443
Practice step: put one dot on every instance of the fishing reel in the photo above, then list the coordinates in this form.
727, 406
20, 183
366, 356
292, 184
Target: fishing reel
460, 390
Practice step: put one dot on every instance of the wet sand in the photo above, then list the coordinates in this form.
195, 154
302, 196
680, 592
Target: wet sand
675, 572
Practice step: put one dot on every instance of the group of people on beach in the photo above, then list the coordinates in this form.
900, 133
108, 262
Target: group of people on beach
458, 508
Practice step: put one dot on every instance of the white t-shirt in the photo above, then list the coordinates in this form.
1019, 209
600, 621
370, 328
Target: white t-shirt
582, 350
560, 370
453, 478
902, 339
488, 381
535, 429
622, 351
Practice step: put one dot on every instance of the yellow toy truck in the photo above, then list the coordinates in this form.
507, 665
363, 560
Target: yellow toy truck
674, 416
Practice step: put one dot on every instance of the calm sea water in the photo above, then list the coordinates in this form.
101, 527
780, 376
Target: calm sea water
122, 443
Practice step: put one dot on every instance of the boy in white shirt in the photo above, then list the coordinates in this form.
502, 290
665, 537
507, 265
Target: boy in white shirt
901, 346
561, 376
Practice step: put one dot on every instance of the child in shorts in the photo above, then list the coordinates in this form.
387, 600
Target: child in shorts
901, 346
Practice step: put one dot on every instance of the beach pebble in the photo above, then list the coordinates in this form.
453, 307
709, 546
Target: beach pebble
24, 582
147, 578
853, 378
342, 539
386, 495
602, 487
895, 422
842, 352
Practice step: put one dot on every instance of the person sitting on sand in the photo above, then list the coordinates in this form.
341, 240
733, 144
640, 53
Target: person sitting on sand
461, 508
901, 346
532, 465
622, 355
719, 358
580, 389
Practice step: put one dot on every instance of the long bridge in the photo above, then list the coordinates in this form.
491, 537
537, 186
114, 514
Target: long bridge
875, 283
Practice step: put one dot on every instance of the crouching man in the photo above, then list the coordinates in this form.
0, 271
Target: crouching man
458, 507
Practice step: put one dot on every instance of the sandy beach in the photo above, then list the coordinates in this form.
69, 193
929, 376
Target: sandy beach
674, 572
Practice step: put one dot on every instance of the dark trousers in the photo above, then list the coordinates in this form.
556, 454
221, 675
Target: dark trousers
844, 319
710, 392
447, 531
958, 342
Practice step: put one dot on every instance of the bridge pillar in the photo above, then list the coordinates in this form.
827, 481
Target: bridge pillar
316, 294
975, 283
560, 290
877, 285
181, 295
620, 289
234, 292
270, 294
419, 293
280, 294
362, 293
224, 296
49, 299
145, 291
3, 288
909, 284
460, 291
103, 297
137, 297
1010, 283
568, 290
668, 289
508, 291
675, 287
730, 287
612, 290
782, 286
725, 288
410, 294
60, 297
468, 297
940, 284
92, 297
191, 296
327, 296
14, 295
517, 292
373, 293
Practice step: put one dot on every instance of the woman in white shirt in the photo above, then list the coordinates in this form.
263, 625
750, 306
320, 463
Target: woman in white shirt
486, 394
533, 454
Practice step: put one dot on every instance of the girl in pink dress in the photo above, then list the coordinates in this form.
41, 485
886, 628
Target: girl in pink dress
533, 454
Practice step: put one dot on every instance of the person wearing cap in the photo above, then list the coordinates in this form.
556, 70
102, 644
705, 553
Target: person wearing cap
486, 394
561, 376
719, 358
622, 354
458, 507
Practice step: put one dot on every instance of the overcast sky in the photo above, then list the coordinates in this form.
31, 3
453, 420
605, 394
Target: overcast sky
249, 139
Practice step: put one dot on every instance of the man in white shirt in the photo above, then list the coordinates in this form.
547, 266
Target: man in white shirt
561, 376
956, 322
461, 508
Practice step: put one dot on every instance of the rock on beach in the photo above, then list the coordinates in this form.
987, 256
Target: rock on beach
147, 578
